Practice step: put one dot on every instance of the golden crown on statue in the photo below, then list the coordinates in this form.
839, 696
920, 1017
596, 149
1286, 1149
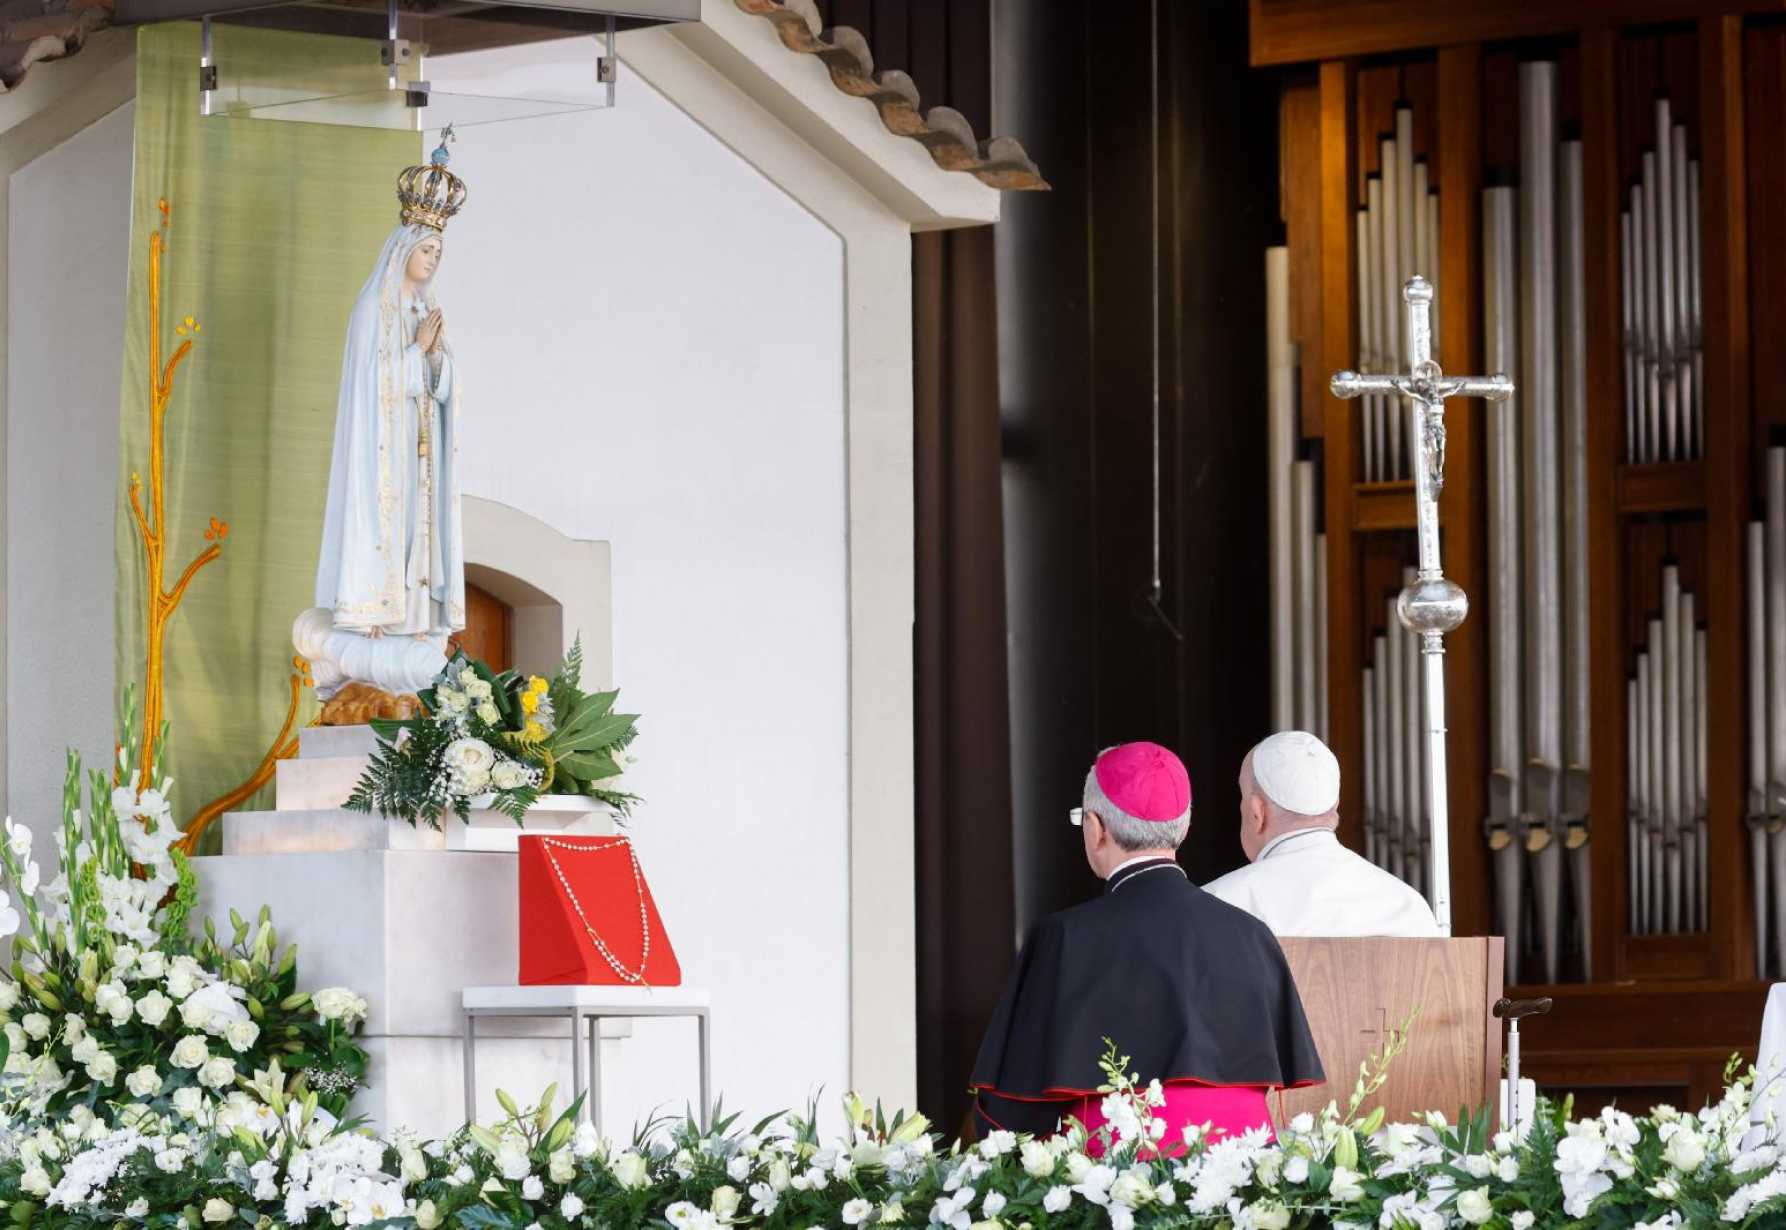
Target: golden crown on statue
431, 194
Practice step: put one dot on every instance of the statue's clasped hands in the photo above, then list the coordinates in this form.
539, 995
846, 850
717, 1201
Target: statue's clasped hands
427, 334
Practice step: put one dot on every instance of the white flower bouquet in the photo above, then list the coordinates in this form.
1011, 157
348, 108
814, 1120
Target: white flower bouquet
500, 740
110, 1001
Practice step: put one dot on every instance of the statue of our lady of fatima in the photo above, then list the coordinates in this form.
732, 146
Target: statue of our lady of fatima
390, 582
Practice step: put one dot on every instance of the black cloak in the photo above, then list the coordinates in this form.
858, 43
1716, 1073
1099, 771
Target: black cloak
1190, 988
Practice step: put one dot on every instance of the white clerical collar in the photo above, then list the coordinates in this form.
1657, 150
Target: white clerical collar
1275, 842
1130, 862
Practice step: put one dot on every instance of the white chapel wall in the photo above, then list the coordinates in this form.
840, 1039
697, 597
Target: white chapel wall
652, 341
67, 258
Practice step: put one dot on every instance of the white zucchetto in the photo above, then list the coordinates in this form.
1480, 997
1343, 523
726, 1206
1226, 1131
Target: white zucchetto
1296, 771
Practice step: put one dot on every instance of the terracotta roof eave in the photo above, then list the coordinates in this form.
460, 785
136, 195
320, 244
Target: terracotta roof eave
1000, 162
31, 32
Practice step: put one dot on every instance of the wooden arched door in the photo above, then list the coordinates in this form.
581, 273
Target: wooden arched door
489, 632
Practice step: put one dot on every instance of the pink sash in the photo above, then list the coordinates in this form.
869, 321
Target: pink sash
1229, 1110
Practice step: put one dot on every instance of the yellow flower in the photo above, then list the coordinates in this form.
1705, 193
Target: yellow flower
530, 701
536, 686
533, 730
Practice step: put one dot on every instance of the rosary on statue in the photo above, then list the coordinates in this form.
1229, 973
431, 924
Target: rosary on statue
1432, 606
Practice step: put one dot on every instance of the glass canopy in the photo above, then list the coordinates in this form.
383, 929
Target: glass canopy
306, 82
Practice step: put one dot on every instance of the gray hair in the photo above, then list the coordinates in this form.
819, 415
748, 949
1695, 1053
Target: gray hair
1128, 831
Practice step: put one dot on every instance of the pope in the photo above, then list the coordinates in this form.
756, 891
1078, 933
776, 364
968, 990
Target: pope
1195, 992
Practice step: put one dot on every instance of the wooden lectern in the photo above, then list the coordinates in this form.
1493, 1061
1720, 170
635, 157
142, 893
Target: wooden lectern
1353, 991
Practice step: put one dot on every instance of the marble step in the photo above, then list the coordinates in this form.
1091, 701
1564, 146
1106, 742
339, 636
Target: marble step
309, 783
323, 830
315, 742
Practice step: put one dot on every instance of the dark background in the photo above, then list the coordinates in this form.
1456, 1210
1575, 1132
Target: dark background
1035, 645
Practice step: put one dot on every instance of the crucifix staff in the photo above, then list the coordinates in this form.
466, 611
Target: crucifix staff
1432, 605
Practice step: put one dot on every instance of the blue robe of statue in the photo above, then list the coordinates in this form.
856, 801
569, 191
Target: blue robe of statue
393, 557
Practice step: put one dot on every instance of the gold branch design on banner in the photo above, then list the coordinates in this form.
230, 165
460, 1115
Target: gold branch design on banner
284, 747
162, 602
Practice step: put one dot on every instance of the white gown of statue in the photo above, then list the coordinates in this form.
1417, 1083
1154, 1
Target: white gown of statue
390, 580
1307, 884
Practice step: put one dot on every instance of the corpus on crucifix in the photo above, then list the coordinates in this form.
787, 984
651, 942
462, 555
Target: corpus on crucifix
1432, 605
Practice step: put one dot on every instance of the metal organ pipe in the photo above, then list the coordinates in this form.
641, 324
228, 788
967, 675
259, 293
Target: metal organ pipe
1506, 742
1573, 480
1665, 389
1281, 452
1538, 387
1759, 707
1388, 295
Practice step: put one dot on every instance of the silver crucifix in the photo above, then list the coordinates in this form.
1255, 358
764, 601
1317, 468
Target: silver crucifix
1432, 606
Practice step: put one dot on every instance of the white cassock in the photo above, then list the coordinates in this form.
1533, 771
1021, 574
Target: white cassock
1306, 883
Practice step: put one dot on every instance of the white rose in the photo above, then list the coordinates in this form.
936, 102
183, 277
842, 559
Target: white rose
86, 1050
195, 1013
102, 1069
512, 1161
138, 1208
181, 981
9, 995
630, 1170
190, 1052
1038, 1159
35, 1181
487, 714
241, 1034
339, 1004
469, 758
145, 1082
426, 1216
1345, 1186
1507, 1170
151, 964
855, 1212
1057, 1199
1522, 1220
532, 1188
37, 1025
218, 1210
170, 1161
1475, 1207
1684, 1150
153, 1008
217, 1073
1269, 1215
571, 1207
508, 775
560, 1168
1131, 1189
724, 1202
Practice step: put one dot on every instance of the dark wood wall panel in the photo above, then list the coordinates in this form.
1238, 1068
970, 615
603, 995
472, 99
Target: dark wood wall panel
1764, 80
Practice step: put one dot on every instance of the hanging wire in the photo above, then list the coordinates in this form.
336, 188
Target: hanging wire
1155, 586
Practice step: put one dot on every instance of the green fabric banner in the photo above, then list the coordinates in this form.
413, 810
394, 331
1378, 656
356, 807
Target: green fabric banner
271, 228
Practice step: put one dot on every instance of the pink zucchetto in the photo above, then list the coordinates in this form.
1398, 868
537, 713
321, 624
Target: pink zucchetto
1146, 781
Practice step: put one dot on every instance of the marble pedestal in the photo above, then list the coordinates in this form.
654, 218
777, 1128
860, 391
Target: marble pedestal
407, 922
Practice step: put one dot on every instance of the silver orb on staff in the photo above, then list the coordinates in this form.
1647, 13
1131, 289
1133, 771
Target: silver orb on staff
1432, 605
